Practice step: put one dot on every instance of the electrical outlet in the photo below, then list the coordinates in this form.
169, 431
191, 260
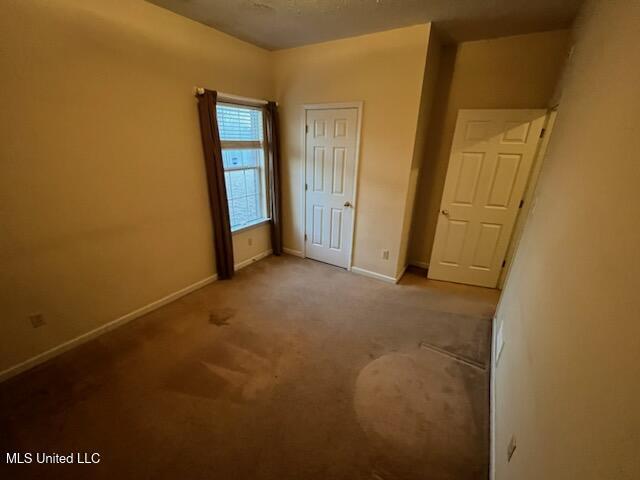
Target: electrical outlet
385, 254
37, 320
250, 241
511, 448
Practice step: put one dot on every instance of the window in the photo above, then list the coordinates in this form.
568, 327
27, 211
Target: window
243, 156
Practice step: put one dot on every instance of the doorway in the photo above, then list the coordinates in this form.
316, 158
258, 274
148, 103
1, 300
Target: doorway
492, 154
332, 134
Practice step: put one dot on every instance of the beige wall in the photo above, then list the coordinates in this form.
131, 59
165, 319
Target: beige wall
511, 72
567, 383
103, 195
423, 129
103, 201
384, 70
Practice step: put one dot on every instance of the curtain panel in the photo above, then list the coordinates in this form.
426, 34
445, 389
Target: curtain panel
273, 170
222, 239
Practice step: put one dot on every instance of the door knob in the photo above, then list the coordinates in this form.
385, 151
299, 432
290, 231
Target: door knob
348, 204
445, 213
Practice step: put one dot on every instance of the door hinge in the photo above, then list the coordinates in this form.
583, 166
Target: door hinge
504, 263
542, 132
306, 129
305, 237
521, 204
306, 187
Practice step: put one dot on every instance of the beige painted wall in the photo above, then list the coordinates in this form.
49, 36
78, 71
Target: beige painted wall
511, 72
567, 383
384, 70
423, 129
103, 201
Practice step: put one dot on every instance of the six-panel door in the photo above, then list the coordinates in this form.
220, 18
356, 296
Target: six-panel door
491, 155
330, 170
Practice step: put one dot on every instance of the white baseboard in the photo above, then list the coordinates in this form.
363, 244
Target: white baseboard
377, 276
255, 258
492, 401
291, 251
419, 264
85, 337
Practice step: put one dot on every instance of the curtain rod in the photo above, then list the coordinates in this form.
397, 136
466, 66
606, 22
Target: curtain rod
232, 98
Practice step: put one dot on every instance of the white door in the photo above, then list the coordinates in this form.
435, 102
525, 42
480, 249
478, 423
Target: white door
491, 156
331, 140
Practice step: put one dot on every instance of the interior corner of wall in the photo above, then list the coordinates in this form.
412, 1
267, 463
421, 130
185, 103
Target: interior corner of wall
429, 26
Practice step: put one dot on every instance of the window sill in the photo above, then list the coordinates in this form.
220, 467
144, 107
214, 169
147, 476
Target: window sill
249, 226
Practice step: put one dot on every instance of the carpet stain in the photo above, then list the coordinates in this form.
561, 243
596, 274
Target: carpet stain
221, 317
232, 369
318, 376
416, 414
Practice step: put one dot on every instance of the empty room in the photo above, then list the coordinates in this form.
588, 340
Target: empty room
309, 239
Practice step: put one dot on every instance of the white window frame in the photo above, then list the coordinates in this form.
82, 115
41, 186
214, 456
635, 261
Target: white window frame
263, 191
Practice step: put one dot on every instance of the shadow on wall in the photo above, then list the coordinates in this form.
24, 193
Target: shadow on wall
517, 72
429, 192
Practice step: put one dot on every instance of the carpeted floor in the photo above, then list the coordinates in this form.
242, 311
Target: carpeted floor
293, 370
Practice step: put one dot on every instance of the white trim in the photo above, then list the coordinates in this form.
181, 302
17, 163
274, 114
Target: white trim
419, 264
85, 337
377, 276
90, 335
249, 226
355, 183
237, 99
255, 258
291, 251
303, 189
492, 401
332, 106
528, 196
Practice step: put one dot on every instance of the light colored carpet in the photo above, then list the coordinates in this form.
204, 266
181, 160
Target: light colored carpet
293, 370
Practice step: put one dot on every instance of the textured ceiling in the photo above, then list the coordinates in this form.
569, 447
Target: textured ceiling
276, 24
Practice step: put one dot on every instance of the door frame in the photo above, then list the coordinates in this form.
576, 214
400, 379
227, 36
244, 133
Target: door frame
332, 106
529, 195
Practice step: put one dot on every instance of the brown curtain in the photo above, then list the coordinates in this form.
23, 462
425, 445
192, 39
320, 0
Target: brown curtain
222, 240
273, 143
